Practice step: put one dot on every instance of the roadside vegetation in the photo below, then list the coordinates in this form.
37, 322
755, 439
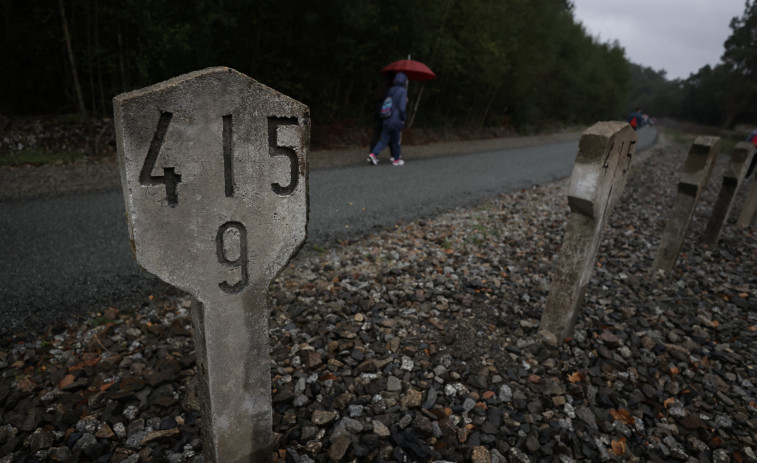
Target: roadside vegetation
512, 66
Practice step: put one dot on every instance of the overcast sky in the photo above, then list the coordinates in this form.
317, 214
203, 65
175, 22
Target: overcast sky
679, 36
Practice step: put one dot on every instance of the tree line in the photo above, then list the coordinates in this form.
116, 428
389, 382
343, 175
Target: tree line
499, 62
519, 63
723, 95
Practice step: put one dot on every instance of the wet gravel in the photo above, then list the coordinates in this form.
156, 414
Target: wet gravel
421, 344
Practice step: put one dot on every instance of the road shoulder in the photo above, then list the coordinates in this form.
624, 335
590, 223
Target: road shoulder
27, 182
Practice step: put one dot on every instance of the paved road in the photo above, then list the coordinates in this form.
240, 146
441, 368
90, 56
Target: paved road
70, 255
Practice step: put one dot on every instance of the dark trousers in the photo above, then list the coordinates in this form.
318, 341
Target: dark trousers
391, 138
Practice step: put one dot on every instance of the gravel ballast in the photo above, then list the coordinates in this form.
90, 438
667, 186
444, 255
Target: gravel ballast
421, 344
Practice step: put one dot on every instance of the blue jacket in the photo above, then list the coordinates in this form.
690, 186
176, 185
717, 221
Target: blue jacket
398, 92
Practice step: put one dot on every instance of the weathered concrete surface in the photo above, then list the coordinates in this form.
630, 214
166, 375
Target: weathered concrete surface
695, 174
750, 205
214, 173
732, 178
599, 175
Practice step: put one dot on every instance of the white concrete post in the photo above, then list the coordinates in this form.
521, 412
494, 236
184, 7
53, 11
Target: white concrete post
734, 174
599, 176
694, 177
214, 172
750, 205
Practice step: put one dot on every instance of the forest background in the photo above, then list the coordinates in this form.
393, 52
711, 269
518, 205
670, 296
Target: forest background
525, 65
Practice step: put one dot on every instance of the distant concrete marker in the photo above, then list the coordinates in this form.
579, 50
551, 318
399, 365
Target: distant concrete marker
750, 205
695, 174
734, 174
214, 171
599, 176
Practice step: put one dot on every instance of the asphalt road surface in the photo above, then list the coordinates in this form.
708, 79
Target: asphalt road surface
70, 255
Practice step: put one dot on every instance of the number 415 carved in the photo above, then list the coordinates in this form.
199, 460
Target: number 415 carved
171, 179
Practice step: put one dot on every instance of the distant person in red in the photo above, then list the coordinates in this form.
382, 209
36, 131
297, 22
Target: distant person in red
635, 119
752, 138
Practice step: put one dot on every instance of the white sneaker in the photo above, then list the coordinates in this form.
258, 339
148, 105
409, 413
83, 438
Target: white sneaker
372, 159
398, 162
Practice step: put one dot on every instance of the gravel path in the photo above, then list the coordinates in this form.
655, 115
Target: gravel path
420, 344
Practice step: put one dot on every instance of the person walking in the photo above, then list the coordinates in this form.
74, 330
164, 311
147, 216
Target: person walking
635, 119
378, 101
393, 113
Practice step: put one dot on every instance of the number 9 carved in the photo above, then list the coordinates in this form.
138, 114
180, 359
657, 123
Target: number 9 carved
226, 249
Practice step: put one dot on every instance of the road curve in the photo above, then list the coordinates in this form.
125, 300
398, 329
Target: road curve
70, 255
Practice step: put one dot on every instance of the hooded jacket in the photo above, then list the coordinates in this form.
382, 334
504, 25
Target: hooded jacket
398, 93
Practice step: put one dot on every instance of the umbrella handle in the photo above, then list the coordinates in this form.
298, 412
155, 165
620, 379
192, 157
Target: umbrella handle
415, 106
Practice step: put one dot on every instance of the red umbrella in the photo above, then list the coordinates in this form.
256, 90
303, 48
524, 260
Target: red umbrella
414, 70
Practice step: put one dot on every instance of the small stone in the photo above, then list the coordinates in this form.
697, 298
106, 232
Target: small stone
532, 443
165, 401
61, 454
720, 456
587, 416
321, 417
158, 435
131, 412
411, 399
431, 397
609, 338
468, 404
353, 426
88, 424
405, 421
550, 339
478, 382
380, 429
339, 448
134, 441
105, 432
648, 343
41, 439
676, 410
355, 411
518, 456
722, 421
481, 455
505, 393
393, 384
85, 443
311, 359
120, 430
422, 425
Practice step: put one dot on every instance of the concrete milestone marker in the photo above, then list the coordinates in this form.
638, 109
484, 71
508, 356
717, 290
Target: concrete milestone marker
742, 156
750, 205
694, 177
599, 176
214, 171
